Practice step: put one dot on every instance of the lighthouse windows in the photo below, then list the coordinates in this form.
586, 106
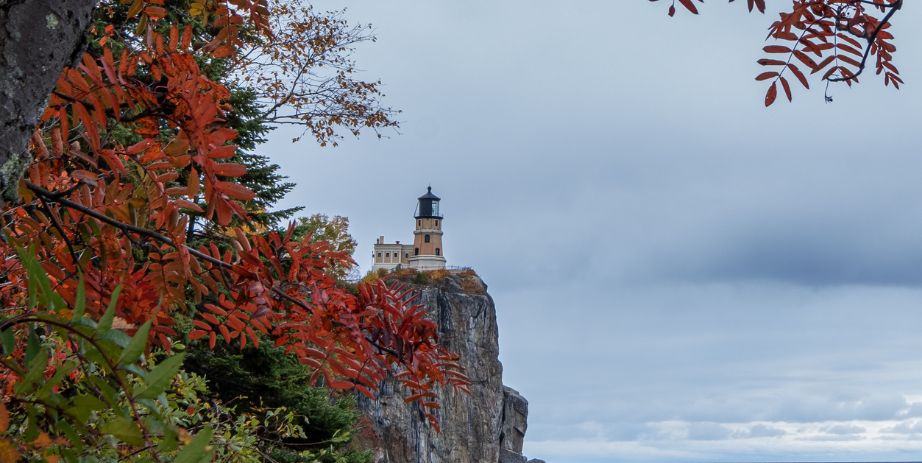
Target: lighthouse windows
416, 252
426, 238
438, 252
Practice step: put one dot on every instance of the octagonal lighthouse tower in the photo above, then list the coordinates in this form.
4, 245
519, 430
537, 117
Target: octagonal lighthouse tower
428, 253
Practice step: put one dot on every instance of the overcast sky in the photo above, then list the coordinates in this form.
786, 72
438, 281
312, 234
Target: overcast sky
680, 274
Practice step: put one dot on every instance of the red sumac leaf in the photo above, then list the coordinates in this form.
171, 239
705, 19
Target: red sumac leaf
786, 87
776, 49
800, 75
804, 58
689, 5
785, 35
185, 204
340, 384
235, 190
89, 125
155, 12
216, 310
223, 152
229, 169
771, 94
234, 323
822, 64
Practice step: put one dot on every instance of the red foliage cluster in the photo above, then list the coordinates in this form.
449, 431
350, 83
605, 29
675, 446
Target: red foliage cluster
118, 213
832, 37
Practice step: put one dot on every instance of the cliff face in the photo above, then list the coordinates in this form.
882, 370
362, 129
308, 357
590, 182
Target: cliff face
488, 425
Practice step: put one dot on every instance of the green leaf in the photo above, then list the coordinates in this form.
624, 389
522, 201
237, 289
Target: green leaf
198, 449
108, 393
80, 302
117, 337
8, 340
70, 454
341, 437
32, 345
136, 369
170, 440
40, 291
56, 302
106, 350
34, 371
32, 430
123, 429
74, 439
105, 323
136, 347
38, 283
160, 378
83, 405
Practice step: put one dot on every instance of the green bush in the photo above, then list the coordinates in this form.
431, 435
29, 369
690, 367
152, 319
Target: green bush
257, 379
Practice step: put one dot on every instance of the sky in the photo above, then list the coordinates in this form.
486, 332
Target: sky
680, 274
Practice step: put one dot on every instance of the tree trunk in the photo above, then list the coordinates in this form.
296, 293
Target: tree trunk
38, 38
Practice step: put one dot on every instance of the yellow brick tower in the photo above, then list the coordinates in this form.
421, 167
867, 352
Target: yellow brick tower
428, 253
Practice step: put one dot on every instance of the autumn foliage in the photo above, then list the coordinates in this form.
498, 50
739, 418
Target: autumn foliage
833, 39
134, 154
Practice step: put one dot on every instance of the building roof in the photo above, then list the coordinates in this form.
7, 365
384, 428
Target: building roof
429, 195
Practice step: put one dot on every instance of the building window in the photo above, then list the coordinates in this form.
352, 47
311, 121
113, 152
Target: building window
419, 223
407, 255
438, 252
436, 223
416, 252
379, 254
426, 238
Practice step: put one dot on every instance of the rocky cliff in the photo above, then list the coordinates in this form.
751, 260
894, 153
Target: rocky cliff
486, 426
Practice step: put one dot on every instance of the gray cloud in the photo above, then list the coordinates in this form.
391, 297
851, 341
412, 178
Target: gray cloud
661, 248
845, 429
762, 430
708, 431
905, 427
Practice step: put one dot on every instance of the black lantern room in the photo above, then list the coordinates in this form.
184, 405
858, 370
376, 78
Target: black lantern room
428, 207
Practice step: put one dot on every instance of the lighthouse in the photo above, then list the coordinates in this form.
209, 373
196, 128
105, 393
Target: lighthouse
426, 252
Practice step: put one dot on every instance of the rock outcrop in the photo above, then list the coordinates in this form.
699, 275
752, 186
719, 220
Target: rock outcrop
514, 423
486, 426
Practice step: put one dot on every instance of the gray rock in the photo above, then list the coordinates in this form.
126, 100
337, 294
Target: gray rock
487, 425
506, 456
514, 421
